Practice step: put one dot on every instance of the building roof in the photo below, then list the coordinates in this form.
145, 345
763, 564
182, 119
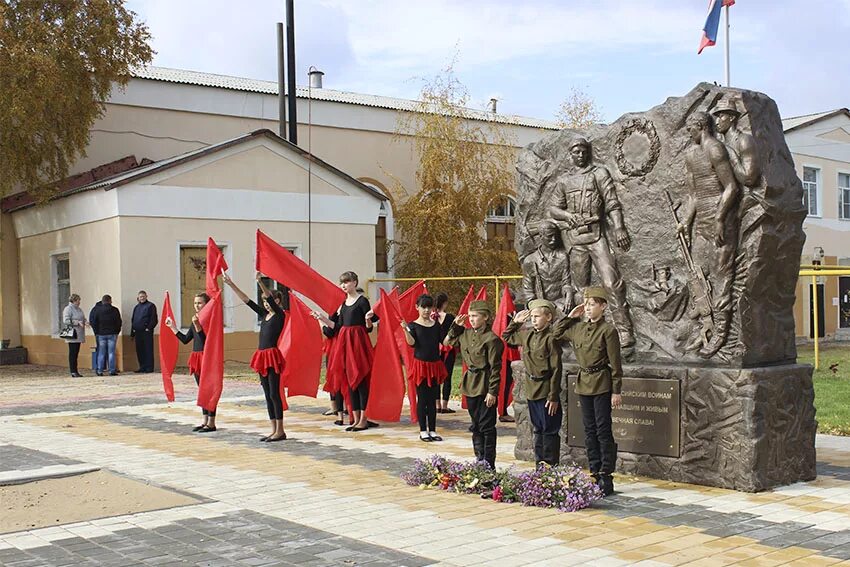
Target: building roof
330, 95
789, 124
19, 201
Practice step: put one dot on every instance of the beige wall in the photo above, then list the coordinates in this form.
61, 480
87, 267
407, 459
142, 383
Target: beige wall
158, 133
93, 250
161, 133
10, 307
828, 232
150, 247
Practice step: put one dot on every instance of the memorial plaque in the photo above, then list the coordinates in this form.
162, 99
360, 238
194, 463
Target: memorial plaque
647, 423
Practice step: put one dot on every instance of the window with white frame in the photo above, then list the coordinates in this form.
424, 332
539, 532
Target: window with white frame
844, 196
811, 191
501, 223
61, 285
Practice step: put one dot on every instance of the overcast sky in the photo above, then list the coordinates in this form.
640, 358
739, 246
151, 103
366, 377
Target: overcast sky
628, 55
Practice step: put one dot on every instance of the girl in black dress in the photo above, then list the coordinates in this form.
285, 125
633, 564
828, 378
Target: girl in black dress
351, 353
267, 360
197, 336
428, 371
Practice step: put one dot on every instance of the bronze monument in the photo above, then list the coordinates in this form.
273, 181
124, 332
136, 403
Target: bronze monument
701, 283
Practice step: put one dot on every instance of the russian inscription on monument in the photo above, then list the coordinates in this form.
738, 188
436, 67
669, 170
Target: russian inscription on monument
690, 216
647, 422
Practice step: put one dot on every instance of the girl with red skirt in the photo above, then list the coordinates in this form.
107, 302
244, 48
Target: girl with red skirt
449, 354
198, 337
350, 355
267, 360
428, 371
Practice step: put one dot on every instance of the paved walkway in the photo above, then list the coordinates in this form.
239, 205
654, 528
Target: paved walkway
327, 497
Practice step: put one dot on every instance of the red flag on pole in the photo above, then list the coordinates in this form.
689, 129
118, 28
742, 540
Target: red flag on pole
212, 360
301, 346
216, 264
407, 300
464, 305
387, 382
393, 305
168, 348
500, 323
282, 265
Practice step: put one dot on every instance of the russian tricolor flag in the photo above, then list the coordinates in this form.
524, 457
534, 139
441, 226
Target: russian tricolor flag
712, 22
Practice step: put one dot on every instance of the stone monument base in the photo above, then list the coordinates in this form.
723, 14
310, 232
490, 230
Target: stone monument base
747, 429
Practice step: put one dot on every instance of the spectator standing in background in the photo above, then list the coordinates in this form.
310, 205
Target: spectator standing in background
72, 315
105, 320
141, 330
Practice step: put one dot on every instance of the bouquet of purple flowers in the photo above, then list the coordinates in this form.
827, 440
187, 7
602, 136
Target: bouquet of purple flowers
565, 487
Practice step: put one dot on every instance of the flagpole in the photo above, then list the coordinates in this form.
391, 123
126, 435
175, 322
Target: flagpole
726, 17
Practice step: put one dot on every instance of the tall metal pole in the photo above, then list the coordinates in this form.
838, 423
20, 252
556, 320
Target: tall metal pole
726, 17
290, 70
281, 80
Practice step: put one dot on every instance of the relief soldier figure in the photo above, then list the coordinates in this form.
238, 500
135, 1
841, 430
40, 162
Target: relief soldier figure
546, 271
586, 209
740, 145
711, 213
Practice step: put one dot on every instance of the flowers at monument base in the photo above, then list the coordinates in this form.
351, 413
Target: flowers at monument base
564, 487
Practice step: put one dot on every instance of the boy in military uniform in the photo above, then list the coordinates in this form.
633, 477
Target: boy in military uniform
481, 350
541, 354
597, 348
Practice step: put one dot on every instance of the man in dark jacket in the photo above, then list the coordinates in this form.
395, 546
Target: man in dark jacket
141, 329
105, 320
93, 324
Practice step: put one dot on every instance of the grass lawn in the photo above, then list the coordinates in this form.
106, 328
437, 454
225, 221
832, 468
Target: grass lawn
832, 387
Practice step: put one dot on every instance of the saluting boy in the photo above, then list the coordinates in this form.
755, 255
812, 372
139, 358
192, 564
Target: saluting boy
481, 350
541, 354
597, 348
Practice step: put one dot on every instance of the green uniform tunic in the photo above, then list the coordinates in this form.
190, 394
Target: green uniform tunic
481, 350
597, 348
541, 354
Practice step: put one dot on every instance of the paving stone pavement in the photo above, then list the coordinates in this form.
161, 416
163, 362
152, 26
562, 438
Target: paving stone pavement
14, 458
330, 497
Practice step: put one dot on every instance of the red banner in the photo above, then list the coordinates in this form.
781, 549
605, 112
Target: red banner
216, 264
212, 361
387, 382
168, 348
301, 346
282, 265
500, 323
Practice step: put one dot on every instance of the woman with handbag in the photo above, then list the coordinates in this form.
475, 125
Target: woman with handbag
73, 331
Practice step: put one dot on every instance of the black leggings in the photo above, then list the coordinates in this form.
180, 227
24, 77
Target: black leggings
271, 388
73, 355
426, 406
450, 366
360, 396
204, 411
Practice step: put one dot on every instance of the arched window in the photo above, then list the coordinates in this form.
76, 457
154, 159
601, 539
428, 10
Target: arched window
384, 232
382, 264
501, 223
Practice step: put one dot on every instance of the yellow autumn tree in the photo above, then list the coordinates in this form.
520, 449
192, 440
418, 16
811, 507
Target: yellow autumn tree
59, 61
577, 111
465, 167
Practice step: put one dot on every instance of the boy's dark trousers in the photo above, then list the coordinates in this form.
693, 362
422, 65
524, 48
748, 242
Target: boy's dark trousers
598, 437
483, 429
547, 432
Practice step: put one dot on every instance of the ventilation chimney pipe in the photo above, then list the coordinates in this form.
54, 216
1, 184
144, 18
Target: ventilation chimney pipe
315, 78
493, 102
